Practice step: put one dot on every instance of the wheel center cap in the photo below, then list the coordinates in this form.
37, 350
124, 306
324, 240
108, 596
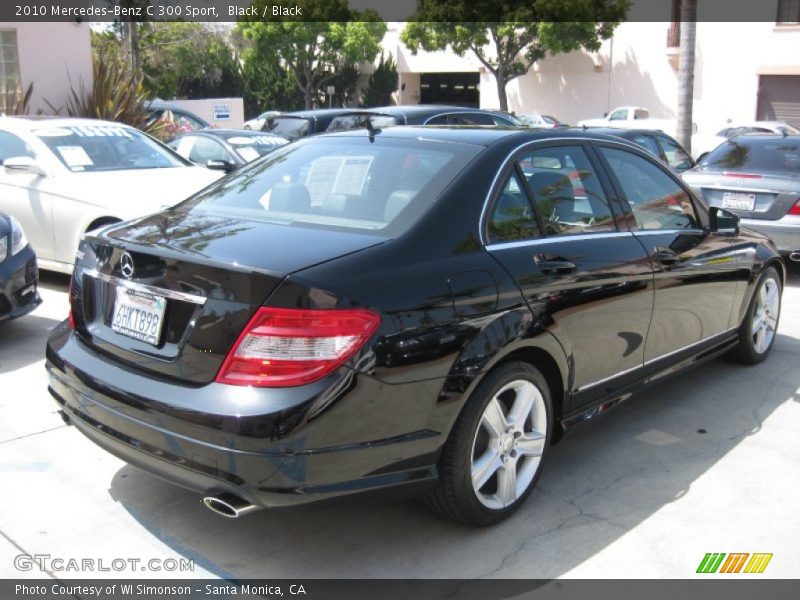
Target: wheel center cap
507, 443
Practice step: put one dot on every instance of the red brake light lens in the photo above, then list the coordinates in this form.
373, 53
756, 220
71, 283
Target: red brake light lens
285, 347
741, 175
795, 210
71, 317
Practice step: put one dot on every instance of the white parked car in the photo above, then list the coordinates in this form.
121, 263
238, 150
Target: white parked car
257, 124
61, 177
703, 144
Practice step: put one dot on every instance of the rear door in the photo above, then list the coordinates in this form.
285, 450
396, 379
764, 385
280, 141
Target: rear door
586, 278
695, 271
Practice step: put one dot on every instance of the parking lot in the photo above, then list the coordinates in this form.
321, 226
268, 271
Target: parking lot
707, 462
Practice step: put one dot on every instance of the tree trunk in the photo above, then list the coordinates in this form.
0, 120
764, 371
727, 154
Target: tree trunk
309, 96
686, 73
500, 78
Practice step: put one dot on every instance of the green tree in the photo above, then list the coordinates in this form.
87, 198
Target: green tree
314, 47
382, 83
509, 36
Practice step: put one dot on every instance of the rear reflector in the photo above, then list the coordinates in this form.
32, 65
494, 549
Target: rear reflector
795, 210
741, 175
285, 347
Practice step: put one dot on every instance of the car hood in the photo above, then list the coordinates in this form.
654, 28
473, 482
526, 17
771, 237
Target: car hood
135, 192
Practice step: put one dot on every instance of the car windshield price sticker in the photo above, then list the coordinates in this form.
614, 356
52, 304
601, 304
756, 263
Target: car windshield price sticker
138, 315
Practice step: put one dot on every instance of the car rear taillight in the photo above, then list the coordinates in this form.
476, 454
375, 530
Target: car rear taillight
71, 317
741, 175
795, 210
285, 347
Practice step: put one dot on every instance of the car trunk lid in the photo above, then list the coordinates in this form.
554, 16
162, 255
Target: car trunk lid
749, 195
198, 278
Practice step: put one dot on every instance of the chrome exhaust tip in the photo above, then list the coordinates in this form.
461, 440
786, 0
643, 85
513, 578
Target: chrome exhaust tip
794, 256
228, 505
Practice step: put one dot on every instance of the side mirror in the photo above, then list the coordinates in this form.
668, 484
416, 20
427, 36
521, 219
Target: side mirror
221, 165
23, 164
723, 222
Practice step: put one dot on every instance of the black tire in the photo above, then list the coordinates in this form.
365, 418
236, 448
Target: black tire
746, 352
454, 496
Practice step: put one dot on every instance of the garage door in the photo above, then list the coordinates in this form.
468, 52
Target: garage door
779, 98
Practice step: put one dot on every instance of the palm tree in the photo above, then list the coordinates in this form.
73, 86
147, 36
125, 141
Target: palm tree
686, 72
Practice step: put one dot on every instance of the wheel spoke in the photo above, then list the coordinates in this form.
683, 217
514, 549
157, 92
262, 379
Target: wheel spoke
772, 297
757, 320
761, 339
762, 296
523, 404
507, 483
531, 444
484, 468
771, 322
493, 419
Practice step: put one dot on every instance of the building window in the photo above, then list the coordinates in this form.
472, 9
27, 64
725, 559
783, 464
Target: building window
788, 12
9, 70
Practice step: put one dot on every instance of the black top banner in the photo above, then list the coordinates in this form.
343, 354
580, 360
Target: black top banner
777, 11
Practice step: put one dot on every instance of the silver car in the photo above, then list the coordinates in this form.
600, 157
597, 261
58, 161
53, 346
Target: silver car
757, 177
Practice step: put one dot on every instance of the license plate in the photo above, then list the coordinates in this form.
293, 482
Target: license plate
738, 201
138, 315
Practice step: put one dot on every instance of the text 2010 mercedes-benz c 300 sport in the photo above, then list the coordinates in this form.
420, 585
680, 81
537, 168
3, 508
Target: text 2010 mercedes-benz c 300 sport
413, 311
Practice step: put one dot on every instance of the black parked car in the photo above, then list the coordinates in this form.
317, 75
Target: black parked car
19, 274
311, 122
410, 311
656, 143
225, 149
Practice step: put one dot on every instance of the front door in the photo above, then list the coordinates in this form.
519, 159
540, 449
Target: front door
695, 271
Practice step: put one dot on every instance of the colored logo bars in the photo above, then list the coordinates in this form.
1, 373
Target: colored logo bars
718, 563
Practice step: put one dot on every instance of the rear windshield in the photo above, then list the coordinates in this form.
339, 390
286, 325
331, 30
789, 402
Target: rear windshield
776, 154
292, 128
358, 121
381, 186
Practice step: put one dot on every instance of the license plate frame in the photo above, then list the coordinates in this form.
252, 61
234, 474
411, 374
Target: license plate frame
138, 315
738, 201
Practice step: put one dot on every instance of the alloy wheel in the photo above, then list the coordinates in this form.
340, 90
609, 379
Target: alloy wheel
508, 444
765, 315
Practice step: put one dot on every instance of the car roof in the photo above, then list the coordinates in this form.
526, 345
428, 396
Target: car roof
27, 123
794, 137
620, 132
473, 134
231, 132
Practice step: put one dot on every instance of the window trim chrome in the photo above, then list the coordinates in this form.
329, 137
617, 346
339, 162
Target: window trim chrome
149, 289
541, 142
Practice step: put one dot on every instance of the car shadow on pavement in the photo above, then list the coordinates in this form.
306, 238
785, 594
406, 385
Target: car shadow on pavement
600, 482
21, 341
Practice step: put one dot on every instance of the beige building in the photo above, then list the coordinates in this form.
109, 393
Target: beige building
743, 71
48, 55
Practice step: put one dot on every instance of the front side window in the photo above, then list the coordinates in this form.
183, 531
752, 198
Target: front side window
566, 191
86, 148
12, 146
677, 158
251, 147
646, 142
512, 217
656, 199
206, 149
382, 185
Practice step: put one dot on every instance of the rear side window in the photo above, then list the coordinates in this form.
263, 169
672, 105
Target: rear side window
566, 191
646, 142
776, 154
292, 128
656, 200
677, 158
512, 217
382, 184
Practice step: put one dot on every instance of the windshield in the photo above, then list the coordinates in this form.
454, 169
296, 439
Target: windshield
292, 128
358, 183
251, 147
358, 121
757, 155
87, 148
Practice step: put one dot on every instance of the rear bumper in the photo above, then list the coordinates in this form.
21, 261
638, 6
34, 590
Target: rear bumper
19, 280
784, 233
295, 453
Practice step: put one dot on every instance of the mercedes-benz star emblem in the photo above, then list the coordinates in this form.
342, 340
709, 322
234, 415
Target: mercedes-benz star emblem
126, 265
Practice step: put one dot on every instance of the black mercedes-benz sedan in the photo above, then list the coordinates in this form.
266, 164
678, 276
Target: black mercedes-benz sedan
19, 273
413, 311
